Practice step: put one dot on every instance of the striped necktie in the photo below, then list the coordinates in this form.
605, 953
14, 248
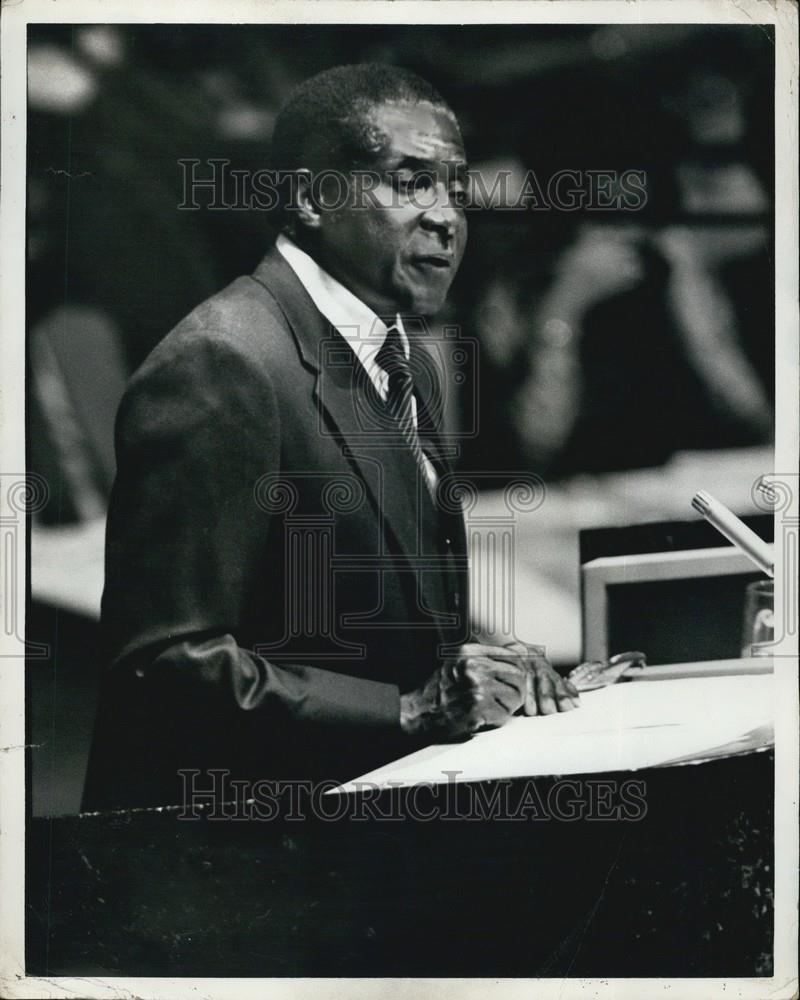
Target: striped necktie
392, 359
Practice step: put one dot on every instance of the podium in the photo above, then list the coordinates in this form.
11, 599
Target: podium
683, 890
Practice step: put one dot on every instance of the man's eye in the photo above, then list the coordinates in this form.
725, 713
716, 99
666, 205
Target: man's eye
403, 182
459, 197
412, 183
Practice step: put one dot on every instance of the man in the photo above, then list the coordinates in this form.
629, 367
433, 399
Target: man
285, 586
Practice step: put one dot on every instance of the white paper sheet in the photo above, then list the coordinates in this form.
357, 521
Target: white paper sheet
624, 727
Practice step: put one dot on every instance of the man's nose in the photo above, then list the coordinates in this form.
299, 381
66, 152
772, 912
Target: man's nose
442, 215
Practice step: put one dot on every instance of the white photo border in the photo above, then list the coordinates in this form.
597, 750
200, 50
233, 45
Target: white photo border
783, 15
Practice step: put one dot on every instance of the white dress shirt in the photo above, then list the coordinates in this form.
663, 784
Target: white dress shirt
362, 328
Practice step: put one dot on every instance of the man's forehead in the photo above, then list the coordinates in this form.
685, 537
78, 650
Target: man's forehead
417, 129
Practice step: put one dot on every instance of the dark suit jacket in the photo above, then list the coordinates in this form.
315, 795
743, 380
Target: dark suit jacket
276, 574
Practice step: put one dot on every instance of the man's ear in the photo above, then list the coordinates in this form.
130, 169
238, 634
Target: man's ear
306, 210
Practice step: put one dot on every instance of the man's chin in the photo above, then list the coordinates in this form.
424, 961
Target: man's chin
424, 304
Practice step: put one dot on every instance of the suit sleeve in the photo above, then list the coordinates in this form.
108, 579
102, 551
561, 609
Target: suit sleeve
196, 429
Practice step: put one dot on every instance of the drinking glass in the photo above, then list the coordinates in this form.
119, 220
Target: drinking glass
758, 634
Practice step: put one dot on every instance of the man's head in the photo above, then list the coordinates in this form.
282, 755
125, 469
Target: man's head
380, 176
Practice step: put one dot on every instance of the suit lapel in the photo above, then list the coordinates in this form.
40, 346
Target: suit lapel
387, 466
388, 471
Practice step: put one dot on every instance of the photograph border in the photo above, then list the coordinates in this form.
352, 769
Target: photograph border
783, 14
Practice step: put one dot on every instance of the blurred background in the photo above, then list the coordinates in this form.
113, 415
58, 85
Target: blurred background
625, 357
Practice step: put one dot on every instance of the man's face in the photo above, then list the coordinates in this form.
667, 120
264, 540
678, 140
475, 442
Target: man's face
398, 242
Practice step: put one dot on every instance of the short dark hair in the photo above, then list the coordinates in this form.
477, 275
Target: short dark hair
324, 123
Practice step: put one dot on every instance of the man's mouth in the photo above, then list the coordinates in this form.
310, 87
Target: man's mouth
435, 260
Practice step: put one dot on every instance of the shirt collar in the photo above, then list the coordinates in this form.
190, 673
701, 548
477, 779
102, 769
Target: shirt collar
362, 328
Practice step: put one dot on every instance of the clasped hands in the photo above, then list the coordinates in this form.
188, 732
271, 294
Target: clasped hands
482, 687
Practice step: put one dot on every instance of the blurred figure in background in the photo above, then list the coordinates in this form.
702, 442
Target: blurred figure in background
635, 353
654, 338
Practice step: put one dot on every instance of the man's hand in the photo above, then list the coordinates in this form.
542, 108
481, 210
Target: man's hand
546, 692
483, 685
